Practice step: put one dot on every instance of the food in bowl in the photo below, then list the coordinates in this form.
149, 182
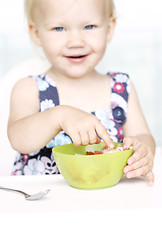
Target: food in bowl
84, 171
105, 149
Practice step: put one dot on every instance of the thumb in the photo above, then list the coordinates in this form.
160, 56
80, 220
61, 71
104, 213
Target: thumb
129, 141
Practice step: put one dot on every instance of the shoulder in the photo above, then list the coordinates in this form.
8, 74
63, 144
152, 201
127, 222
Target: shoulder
135, 115
133, 96
25, 93
24, 88
25, 84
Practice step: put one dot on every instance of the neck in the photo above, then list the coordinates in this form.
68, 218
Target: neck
75, 81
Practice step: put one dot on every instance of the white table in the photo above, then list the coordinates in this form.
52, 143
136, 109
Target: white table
130, 209
127, 194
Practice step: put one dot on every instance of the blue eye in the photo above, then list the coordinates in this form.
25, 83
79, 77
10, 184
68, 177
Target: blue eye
59, 29
89, 27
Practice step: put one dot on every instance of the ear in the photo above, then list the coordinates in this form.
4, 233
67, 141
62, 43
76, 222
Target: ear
111, 28
34, 32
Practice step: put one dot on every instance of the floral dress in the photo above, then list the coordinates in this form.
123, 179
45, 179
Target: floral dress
42, 161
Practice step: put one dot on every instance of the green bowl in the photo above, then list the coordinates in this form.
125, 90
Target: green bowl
90, 171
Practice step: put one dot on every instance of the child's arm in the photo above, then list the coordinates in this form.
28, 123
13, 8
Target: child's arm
138, 135
29, 130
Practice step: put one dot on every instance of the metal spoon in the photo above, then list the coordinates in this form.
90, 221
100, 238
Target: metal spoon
27, 196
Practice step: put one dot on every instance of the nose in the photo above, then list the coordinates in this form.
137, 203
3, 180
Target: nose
75, 40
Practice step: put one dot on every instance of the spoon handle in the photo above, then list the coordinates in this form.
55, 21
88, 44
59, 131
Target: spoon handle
15, 190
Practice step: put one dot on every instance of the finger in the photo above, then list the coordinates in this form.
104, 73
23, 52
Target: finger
103, 134
84, 138
129, 141
136, 165
76, 139
98, 140
137, 155
139, 172
93, 138
150, 178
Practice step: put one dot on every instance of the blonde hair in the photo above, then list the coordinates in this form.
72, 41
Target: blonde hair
29, 6
112, 8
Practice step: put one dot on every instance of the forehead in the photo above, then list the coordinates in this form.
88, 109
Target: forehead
79, 8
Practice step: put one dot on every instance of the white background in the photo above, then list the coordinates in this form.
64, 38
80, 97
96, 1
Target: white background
135, 49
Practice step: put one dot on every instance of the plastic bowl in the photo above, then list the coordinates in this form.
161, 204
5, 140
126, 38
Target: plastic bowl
90, 171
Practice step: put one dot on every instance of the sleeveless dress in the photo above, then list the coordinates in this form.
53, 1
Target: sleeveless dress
42, 161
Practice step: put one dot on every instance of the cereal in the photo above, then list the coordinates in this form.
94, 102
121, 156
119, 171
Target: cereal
105, 149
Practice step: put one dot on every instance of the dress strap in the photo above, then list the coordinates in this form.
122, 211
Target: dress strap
48, 93
120, 88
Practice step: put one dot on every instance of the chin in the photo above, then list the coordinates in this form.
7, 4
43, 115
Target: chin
80, 73
77, 74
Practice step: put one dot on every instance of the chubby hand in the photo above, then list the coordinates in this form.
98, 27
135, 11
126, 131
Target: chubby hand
141, 162
83, 128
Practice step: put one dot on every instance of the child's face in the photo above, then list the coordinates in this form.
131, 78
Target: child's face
73, 34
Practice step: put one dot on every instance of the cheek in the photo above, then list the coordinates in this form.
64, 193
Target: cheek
100, 47
48, 50
50, 47
50, 43
99, 42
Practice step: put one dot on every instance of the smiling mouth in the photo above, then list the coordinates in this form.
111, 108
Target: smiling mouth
76, 57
